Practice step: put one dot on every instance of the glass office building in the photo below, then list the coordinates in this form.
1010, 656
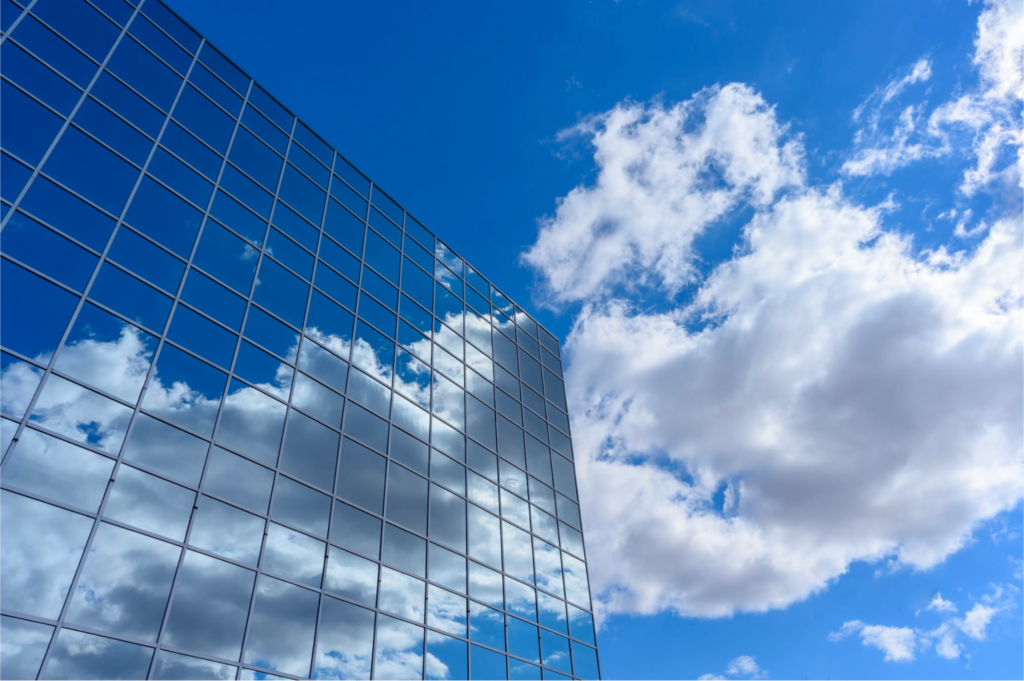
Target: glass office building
257, 421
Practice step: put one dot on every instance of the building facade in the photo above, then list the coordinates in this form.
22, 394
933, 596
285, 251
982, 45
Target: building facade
257, 421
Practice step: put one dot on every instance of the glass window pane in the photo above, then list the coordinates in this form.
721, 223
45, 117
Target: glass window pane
258, 160
202, 336
37, 574
361, 476
289, 222
293, 555
548, 566
26, 296
412, 418
515, 509
310, 451
25, 645
448, 473
336, 286
144, 258
577, 589
48, 252
565, 477
206, 81
485, 585
523, 640
81, 164
399, 653
373, 352
369, 393
401, 595
210, 297
487, 626
227, 531
483, 492
344, 227
516, 550
344, 641
53, 468
77, 655
223, 68
164, 217
523, 671
185, 391
484, 537
150, 503
266, 371
404, 550
512, 478
412, 378
351, 577
239, 480
366, 427
356, 530
19, 380
262, 126
125, 102
323, 366
170, 666
486, 664
581, 625
251, 423
447, 519
520, 599
239, 218
556, 651
36, 124
318, 400
124, 584
302, 195
448, 440
330, 324
211, 604
446, 611
482, 461
552, 612
572, 540
409, 451
510, 443
107, 353
81, 414
446, 568
569, 511
281, 292
446, 657
282, 627
301, 506
276, 337
407, 499
584, 661
289, 253
542, 495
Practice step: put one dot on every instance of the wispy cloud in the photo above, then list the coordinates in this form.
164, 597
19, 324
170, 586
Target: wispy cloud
742, 667
901, 644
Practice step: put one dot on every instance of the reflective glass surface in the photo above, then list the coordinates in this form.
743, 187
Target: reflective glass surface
257, 387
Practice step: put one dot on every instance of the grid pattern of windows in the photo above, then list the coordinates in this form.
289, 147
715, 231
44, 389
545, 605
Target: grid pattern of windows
256, 421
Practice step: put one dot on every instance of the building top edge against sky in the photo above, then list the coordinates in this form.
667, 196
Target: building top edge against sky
389, 208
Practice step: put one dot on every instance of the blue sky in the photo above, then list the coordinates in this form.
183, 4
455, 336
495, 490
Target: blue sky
823, 425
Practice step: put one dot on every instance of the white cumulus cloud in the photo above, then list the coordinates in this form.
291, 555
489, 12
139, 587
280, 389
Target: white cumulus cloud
665, 173
898, 643
852, 397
